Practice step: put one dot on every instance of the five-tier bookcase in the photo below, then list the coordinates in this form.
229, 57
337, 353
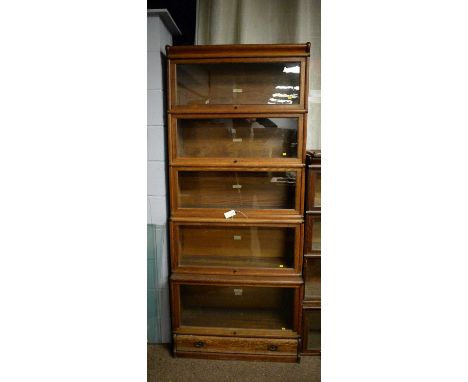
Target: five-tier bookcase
237, 124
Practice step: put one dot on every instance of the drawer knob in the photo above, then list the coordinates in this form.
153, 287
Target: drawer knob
272, 347
199, 344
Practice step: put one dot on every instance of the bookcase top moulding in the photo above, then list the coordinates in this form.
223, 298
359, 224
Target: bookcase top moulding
238, 50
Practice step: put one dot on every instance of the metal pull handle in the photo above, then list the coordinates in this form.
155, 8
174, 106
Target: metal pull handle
272, 347
199, 344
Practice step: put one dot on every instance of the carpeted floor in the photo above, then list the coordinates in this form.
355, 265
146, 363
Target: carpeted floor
162, 367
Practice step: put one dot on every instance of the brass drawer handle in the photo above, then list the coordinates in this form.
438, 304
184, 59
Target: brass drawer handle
199, 344
272, 347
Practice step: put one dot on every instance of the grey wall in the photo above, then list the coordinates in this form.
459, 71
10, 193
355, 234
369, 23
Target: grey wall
157, 255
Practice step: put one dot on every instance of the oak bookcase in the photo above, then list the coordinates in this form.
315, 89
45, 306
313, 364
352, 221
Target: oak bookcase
237, 128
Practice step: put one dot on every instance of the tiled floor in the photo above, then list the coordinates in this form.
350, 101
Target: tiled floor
162, 367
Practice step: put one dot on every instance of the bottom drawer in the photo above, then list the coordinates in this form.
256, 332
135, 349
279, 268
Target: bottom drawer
235, 345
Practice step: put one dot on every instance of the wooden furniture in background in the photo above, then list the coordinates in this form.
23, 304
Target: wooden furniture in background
237, 126
312, 257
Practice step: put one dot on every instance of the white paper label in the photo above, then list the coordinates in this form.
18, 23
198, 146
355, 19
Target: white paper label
237, 139
229, 214
237, 292
237, 186
237, 90
237, 237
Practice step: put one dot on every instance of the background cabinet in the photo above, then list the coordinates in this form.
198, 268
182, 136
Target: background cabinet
237, 120
311, 328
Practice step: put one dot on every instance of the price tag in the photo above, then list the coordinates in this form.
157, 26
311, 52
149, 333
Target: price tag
237, 186
237, 237
229, 214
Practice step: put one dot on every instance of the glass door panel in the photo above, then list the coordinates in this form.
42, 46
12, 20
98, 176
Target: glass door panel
317, 189
237, 189
244, 83
313, 329
237, 138
312, 234
316, 234
237, 307
312, 278
313, 188
236, 246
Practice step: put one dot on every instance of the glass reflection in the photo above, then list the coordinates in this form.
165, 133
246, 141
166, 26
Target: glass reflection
237, 83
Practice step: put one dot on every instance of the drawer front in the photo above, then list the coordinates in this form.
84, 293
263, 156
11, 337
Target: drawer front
312, 229
211, 344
